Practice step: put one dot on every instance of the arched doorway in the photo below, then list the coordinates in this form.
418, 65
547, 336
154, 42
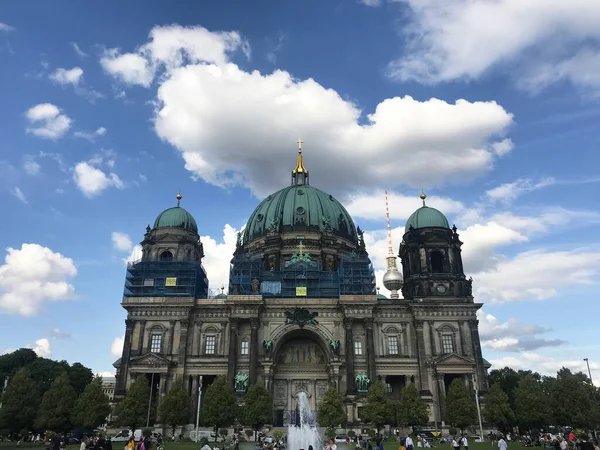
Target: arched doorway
301, 364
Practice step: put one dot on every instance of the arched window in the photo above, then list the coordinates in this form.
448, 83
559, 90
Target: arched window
166, 256
437, 261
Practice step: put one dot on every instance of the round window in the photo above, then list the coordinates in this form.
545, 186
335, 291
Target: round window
299, 210
300, 191
259, 218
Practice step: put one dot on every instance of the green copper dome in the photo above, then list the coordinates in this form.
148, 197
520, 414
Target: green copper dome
176, 217
300, 208
426, 217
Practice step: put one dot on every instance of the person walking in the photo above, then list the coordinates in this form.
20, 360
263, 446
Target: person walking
502, 445
409, 443
465, 442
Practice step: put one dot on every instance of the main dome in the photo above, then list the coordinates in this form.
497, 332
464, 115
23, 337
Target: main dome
426, 217
300, 208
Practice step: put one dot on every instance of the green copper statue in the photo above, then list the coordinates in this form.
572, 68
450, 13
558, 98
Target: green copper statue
362, 383
335, 345
241, 382
268, 346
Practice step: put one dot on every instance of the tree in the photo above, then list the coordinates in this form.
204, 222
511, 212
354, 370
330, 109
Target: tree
20, 403
497, 410
174, 408
460, 407
10, 363
258, 407
220, 405
93, 406
572, 399
45, 371
531, 403
331, 411
376, 409
132, 411
412, 411
57, 406
80, 377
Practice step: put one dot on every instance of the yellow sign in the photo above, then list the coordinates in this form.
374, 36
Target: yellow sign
300, 291
172, 281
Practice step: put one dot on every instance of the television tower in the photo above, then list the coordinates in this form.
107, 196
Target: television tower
392, 279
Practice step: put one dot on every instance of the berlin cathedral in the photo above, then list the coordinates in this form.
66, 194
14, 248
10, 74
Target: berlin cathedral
302, 311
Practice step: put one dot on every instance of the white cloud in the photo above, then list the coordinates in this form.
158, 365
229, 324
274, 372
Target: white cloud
372, 206
170, 46
371, 3
91, 180
6, 28
116, 349
441, 141
536, 39
78, 50
512, 335
536, 275
19, 194
510, 191
46, 121
41, 347
57, 333
67, 76
106, 374
121, 241
31, 166
218, 256
101, 131
33, 275
135, 255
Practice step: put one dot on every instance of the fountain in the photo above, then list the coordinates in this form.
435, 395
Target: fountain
306, 433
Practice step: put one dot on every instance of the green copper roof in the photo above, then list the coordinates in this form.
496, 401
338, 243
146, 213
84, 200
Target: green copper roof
300, 208
176, 217
426, 217
381, 297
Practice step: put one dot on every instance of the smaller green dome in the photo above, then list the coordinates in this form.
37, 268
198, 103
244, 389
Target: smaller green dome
426, 217
176, 217
381, 297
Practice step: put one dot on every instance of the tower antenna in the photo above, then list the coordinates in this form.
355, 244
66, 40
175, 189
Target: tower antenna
389, 227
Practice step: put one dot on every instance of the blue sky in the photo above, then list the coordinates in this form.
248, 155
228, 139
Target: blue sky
108, 110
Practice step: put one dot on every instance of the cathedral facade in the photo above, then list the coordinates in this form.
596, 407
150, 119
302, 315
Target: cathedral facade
302, 310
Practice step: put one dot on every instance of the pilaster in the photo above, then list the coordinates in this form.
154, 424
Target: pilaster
371, 368
350, 381
254, 323
421, 355
141, 340
233, 332
123, 371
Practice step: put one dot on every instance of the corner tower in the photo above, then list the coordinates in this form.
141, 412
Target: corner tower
431, 258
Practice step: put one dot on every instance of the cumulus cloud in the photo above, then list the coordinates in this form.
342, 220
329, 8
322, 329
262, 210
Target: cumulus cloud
101, 131
541, 42
106, 374
512, 335
218, 255
116, 349
67, 76
5, 27
91, 180
445, 141
19, 194
121, 241
31, 166
135, 255
41, 347
33, 275
46, 121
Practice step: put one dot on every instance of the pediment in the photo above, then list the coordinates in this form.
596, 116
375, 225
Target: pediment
453, 359
151, 359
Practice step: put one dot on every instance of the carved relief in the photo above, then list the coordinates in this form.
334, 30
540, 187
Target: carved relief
301, 352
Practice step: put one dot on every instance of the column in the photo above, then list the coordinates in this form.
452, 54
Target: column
141, 341
232, 350
171, 338
481, 375
253, 350
183, 342
432, 340
123, 372
371, 369
194, 395
461, 342
421, 356
350, 381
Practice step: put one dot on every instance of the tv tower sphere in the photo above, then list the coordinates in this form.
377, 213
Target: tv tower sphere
392, 279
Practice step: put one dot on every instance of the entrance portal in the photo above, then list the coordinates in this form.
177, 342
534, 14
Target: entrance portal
300, 366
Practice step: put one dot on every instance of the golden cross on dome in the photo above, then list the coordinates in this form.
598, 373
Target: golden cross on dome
299, 142
301, 248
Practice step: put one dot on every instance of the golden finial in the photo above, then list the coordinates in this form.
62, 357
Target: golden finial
222, 288
423, 197
299, 165
178, 197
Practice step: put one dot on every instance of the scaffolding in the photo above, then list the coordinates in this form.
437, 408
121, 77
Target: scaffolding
357, 276
302, 278
166, 279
